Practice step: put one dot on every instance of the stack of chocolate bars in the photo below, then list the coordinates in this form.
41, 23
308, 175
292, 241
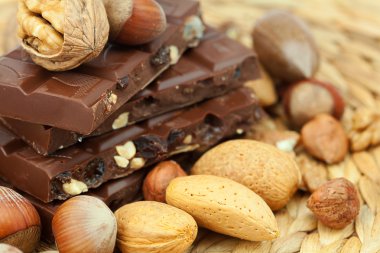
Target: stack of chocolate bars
97, 129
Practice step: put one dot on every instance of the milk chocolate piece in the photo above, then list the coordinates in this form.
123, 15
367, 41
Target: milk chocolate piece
121, 152
115, 194
81, 99
216, 66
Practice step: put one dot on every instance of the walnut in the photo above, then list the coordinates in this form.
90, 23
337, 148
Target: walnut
62, 34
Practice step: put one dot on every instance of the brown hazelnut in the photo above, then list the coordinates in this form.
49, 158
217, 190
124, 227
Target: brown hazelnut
156, 182
62, 34
285, 46
304, 100
324, 138
134, 22
6, 248
20, 224
335, 203
84, 224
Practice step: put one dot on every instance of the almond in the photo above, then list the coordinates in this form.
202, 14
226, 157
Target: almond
154, 227
223, 206
263, 168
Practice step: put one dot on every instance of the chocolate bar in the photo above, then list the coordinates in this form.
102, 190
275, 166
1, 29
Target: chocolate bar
115, 194
116, 154
81, 99
216, 66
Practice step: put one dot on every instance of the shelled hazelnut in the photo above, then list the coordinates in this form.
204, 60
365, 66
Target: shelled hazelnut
20, 224
335, 203
62, 34
306, 99
158, 179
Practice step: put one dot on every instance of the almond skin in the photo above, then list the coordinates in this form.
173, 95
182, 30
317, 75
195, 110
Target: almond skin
325, 139
263, 168
223, 206
336, 203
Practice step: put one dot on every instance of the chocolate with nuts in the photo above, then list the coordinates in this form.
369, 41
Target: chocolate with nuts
201, 73
87, 165
80, 100
115, 194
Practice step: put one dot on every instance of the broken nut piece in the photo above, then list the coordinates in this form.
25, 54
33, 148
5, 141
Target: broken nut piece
137, 163
121, 121
61, 35
128, 150
74, 187
193, 30
122, 162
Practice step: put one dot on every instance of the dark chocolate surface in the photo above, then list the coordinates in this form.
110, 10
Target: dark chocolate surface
115, 194
218, 65
81, 99
94, 162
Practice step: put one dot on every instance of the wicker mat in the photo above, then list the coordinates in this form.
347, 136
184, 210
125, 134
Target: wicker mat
348, 35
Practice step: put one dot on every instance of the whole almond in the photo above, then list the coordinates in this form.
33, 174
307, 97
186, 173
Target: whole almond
325, 139
154, 227
223, 206
336, 203
263, 168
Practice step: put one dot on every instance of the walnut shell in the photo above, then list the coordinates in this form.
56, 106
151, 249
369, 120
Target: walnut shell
61, 35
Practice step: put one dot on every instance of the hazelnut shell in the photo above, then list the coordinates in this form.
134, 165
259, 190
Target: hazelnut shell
311, 104
156, 182
84, 224
20, 224
146, 23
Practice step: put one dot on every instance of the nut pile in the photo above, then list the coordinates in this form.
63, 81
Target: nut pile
244, 191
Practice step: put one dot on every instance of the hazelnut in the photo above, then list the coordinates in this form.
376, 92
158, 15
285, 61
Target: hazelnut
335, 203
62, 34
325, 139
156, 182
6, 248
304, 100
134, 22
84, 224
20, 224
285, 46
